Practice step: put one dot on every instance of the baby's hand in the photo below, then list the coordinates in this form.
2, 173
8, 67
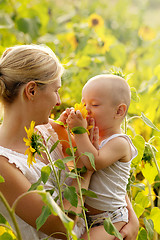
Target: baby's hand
93, 133
75, 119
64, 115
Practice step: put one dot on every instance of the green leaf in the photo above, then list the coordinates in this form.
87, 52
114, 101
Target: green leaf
138, 208
79, 130
40, 188
45, 172
139, 185
111, 229
2, 219
1, 179
56, 210
91, 159
60, 164
71, 195
81, 170
68, 159
69, 152
149, 172
84, 61
149, 123
139, 143
155, 217
54, 146
71, 174
29, 25
88, 193
142, 235
6, 236
46, 212
6, 21
149, 227
60, 123
134, 95
35, 185
142, 199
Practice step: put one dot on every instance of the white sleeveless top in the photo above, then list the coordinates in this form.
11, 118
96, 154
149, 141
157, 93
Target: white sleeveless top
110, 183
32, 173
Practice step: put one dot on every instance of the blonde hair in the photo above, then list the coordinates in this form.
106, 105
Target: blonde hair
22, 64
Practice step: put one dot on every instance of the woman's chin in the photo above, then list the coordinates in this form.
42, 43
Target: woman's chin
46, 121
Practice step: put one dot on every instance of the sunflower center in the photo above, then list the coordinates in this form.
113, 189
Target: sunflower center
95, 22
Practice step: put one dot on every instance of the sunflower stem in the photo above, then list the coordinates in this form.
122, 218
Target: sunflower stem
56, 176
78, 181
12, 215
58, 183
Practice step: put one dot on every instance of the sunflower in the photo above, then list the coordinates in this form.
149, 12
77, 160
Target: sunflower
6, 230
147, 33
33, 142
95, 20
71, 38
81, 107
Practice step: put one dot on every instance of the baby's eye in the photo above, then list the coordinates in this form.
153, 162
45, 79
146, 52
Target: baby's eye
95, 105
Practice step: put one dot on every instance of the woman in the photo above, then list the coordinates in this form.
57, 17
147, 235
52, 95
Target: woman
30, 77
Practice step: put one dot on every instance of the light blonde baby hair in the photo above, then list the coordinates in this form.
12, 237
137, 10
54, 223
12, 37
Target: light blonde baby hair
117, 86
22, 64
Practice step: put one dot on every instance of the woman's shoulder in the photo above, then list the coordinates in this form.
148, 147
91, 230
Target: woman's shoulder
10, 158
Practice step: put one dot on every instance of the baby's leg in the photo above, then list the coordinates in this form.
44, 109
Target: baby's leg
99, 232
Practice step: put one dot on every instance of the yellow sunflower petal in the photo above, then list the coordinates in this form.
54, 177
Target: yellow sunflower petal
27, 141
30, 159
95, 20
90, 127
32, 126
81, 107
32, 149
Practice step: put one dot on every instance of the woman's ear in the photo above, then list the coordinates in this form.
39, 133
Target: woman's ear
30, 90
121, 110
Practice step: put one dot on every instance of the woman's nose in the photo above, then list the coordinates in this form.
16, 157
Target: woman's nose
58, 100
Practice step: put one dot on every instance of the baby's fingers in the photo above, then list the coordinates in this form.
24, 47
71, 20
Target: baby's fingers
91, 124
96, 137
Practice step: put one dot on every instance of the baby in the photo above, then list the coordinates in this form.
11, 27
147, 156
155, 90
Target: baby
107, 99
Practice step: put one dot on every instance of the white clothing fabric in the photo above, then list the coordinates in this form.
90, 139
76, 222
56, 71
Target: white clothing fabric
33, 174
120, 215
110, 183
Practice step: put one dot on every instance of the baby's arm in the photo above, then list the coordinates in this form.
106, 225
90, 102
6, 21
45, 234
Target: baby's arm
116, 149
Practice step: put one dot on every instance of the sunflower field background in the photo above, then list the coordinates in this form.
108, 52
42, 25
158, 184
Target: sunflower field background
91, 37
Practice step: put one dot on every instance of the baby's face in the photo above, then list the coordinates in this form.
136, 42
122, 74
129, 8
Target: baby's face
97, 97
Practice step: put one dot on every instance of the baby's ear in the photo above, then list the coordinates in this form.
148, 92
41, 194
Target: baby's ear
121, 110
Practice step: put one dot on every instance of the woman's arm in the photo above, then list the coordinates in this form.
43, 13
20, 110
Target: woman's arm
130, 230
29, 207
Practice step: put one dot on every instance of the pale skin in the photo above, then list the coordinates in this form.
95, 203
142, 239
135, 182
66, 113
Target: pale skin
98, 95
32, 103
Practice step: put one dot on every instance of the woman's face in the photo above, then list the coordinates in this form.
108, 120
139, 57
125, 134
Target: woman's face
47, 98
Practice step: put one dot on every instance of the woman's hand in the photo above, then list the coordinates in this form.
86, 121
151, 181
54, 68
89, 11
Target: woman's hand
130, 230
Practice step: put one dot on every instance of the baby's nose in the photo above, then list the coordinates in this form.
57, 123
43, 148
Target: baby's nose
88, 110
